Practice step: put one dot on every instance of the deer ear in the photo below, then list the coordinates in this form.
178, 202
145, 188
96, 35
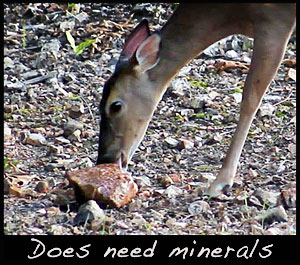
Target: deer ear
147, 54
137, 36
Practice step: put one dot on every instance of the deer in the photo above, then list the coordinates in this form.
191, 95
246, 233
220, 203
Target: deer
148, 62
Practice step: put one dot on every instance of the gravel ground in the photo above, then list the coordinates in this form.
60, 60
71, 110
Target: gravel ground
51, 125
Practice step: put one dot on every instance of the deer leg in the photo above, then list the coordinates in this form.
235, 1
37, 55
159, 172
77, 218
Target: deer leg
269, 47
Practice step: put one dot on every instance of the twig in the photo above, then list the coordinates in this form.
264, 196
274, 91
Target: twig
90, 111
284, 99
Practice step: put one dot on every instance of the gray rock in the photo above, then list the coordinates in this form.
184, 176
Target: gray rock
275, 214
88, 212
171, 141
266, 197
35, 139
71, 126
198, 207
76, 110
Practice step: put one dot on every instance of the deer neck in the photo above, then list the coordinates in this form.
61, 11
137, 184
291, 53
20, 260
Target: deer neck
181, 40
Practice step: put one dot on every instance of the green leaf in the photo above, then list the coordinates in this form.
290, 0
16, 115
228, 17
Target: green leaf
80, 48
72, 96
178, 117
24, 42
280, 114
198, 116
198, 83
71, 40
6, 165
236, 90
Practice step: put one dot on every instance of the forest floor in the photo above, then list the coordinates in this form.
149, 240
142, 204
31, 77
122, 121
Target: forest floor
47, 86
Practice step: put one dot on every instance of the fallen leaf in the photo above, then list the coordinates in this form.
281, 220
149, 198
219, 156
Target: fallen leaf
226, 65
291, 62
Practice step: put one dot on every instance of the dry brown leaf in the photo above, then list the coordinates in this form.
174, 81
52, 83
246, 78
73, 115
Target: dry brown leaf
226, 65
20, 180
291, 62
19, 192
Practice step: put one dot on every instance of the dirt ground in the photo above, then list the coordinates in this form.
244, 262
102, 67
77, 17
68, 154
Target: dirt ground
47, 85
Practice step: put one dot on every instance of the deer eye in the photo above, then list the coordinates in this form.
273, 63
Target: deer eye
115, 107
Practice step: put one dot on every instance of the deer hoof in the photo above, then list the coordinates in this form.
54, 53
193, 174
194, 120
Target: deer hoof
217, 189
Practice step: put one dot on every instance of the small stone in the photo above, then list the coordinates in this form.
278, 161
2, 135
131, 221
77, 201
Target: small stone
7, 185
134, 205
275, 214
218, 137
56, 229
42, 187
180, 225
254, 201
274, 231
266, 109
35, 139
288, 198
88, 212
231, 54
198, 207
197, 104
175, 177
71, 126
142, 181
122, 225
51, 181
291, 74
256, 230
8, 63
52, 167
171, 142
275, 149
166, 180
186, 144
7, 132
292, 148
62, 197
167, 160
173, 191
96, 224
253, 173
213, 94
76, 111
53, 211
139, 220
85, 163
207, 177
170, 222
62, 140
67, 25
75, 136
144, 194
237, 97
266, 197
18, 86
53, 149
30, 74
82, 16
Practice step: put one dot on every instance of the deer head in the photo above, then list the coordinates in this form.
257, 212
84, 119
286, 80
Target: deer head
129, 98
